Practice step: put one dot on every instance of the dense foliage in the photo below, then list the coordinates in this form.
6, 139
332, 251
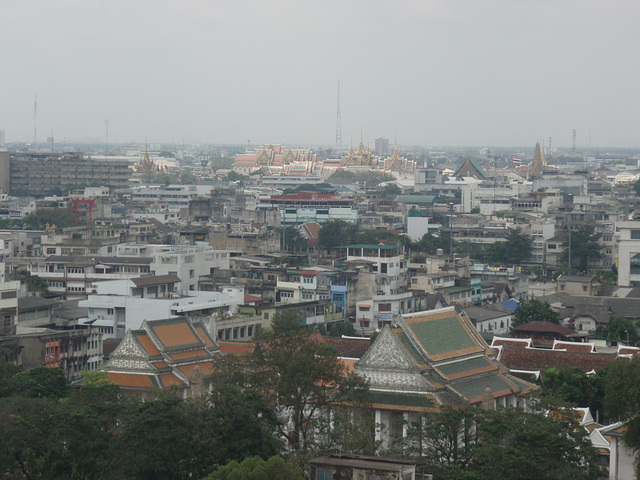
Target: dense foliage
303, 376
534, 311
516, 248
507, 443
622, 397
48, 431
584, 247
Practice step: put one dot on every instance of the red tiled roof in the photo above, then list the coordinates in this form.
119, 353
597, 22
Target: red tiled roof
513, 342
308, 272
235, 347
540, 359
544, 327
251, 298
347, 347
574, 346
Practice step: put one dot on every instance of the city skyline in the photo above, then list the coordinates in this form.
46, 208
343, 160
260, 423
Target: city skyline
490, 72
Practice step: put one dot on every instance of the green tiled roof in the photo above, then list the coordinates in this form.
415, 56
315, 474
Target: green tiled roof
464, 366
474, 387
401, 399
442, 335
417, 356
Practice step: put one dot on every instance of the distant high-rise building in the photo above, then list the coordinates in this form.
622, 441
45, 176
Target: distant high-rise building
382, 146
1, 138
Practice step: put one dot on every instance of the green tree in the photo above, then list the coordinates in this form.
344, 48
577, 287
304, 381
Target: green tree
534, 310
584, 247
255, 468
446, 440
618, 329
241, 424
568, 384
292, 240
55, 216
302, 376
342, 176
622, 397
40, 382
187, 177
390, 190
34, 282
430, 243
516, 248
181, 453
7, 371
336, 233
513, 444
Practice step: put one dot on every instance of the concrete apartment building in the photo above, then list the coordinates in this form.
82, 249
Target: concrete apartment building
39, 173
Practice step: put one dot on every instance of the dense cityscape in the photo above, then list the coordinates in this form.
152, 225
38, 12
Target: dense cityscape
318, 312
297, 240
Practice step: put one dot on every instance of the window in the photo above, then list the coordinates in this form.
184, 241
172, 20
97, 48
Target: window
51, 251
635, 234
384, 307
192, 273
10, 294
324, 474
250, 331
266, 315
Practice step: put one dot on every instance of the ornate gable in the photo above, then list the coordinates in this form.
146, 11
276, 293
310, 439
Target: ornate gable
129, 355
387, 353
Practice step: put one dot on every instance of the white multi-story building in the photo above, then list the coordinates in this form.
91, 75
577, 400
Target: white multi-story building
188, 262
8, 303
311, 207
120, 305
628, 253
171, 197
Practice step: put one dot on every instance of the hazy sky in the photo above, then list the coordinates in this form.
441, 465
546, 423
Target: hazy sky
432, 72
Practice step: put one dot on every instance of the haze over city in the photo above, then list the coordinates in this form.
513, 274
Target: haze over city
488, 72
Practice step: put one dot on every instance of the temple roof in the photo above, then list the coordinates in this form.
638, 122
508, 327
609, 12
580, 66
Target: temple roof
437, 356
470, 168
162, 354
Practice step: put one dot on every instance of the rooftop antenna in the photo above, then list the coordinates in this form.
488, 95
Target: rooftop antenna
51, 140
338, 121
574, 141
35, 122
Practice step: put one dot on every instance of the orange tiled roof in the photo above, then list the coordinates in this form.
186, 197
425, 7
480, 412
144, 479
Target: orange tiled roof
148, 345
170, 380
205, 367
131, 380
235, 347
205, 336
175, 334
188, 354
